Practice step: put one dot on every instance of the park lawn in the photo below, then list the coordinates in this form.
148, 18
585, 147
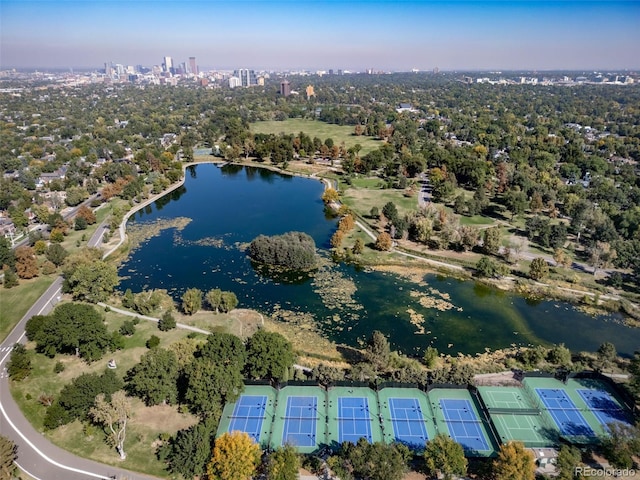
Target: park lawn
14, 302
361, 200
147, 422
476, 220
315, 128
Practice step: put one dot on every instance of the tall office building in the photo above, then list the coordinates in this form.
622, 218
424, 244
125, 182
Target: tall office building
247, 77
167, 64
285, 88
193, 67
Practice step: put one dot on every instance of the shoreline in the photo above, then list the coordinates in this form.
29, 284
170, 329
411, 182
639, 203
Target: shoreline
510, 284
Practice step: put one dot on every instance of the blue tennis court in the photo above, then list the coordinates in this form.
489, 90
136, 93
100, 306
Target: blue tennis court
464, 425
354, 421
408, 421
603, 406
248, 415
300, 421
564, 412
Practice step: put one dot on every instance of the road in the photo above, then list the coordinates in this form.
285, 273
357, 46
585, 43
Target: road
37, 456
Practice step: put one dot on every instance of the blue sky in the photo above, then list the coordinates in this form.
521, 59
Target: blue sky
353, 35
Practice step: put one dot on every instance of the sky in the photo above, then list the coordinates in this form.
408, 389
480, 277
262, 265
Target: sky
397, 35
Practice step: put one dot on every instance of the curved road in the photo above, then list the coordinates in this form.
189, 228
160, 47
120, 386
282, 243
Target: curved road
37, 456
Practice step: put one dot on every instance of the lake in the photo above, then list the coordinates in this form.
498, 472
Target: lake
227, 207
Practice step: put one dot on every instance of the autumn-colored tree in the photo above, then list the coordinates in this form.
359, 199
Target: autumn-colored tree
561, 258
384, 242
346, 223
192, 301
536, 203
336, 239
514, 462
8, 455
86, 213
235, 457
26, 263
330, 195
283, 464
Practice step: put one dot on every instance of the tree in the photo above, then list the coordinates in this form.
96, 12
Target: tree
26, 262
373, 461
209, 386
378, 352
74, 328
514, 462
214, 299
569, 457
228, 302
622, 443
189, 450
358, 246
10, 278
87, 214
607, 355
19, 365
114, 415
383, 242
77, 398
559, 355
8, 456
269, 355
491, 238
444, 457
155, 378
235, 457
390, 211
166, 322
91, 281
56, 254
192, 301
7, 255
330, 195
486, 267
283, 464
538, 268
336, 239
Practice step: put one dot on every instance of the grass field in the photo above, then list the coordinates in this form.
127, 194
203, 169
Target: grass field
318, 129
14, 302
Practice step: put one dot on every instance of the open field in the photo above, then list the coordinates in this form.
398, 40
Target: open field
318, 129
14, 302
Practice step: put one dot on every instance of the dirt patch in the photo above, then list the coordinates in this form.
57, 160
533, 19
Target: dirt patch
162, 418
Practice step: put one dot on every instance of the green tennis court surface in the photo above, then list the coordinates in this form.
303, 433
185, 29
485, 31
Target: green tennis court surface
540, 413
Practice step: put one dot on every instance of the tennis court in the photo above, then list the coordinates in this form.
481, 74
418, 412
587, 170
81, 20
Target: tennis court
300, 421
251, 413
354, 420
408, 421
464, 425
248, 415
603, 406
505, 398
564, 412
353, 414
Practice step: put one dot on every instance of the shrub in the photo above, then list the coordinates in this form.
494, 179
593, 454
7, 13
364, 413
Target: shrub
153, 342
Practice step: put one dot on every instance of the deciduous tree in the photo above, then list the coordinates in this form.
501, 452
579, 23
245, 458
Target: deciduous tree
538, 268
26, 262
283, 464
114, 415
444, 457
384, 242
235, 457
155, 378
269, 355
191, 301
514, 462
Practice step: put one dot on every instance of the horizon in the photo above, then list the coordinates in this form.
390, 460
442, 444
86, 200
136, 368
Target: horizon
283, 35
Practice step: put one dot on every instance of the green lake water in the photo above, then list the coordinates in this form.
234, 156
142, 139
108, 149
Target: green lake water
230, 206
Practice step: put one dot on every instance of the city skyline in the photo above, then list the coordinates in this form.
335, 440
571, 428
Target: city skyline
355, 35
